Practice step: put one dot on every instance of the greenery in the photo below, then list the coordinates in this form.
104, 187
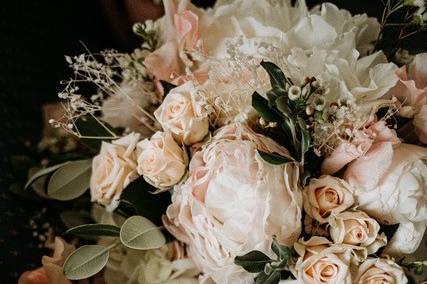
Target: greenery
270, 271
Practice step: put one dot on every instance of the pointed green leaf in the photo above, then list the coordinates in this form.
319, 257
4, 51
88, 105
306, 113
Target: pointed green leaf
274, 159
85, 262
264, 278
140, 233
283, 107
70, 181
43, 172
283, 252
277, 78
94, 230
262, 107
253, 261
91, 126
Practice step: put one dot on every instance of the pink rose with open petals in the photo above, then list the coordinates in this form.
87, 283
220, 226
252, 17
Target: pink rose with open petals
411, 90
180, 25
372, 145
233, 203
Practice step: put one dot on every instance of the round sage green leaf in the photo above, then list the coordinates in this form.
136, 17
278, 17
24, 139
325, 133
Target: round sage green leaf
85, 262
70, 181
42, 173
140, 233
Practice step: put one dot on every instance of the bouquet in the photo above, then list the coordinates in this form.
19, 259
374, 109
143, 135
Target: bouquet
252, 142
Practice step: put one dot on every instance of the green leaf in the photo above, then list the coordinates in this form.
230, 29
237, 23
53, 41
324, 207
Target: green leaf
305, 139
95, 230
262, 107
283, 107
90, 126
167, 87
274, 159
140, 233
43, 172
85, 262
73, 218
272, 278
277, 78
253, 261
283, 252
137, 195
70, 181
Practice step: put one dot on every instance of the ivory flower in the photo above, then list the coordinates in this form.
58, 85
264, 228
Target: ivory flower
320, 262
183, 113
399, 197
113, 169
356, 228
161, 160
233, 202
325, 196
380, 271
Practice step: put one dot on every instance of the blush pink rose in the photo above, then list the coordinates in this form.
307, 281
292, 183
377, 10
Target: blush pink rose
180, 27
411, 90
51, 271
372, 145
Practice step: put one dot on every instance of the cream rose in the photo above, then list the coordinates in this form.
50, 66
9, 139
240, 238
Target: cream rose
321, 262
400, 197
356, 228
183, 113
161, 160
113, 169
234, 202
327, 195
380, 271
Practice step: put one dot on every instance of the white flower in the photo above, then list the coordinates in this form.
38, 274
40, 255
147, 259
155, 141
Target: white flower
166, 265
183, 113
113, 169
380, 271
400, 196
356, 228
325, 196
125, 108
234, 202
161, 160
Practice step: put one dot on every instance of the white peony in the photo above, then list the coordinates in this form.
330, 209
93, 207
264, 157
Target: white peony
234, 202
400, 197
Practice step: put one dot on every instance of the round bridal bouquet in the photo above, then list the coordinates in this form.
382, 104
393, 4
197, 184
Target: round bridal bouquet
251, 142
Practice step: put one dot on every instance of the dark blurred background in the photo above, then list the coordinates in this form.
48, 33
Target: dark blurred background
35, 36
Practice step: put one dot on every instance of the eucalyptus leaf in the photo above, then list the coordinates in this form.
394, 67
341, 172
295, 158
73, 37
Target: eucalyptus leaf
43, 172
274, 159
264, 278
73, 218
253, 261
70, 181
140, 233
94, 230
263, 108
85, 262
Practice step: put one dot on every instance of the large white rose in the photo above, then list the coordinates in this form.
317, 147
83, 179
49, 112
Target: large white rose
113, 169
183, 113
399, 197
234, 202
